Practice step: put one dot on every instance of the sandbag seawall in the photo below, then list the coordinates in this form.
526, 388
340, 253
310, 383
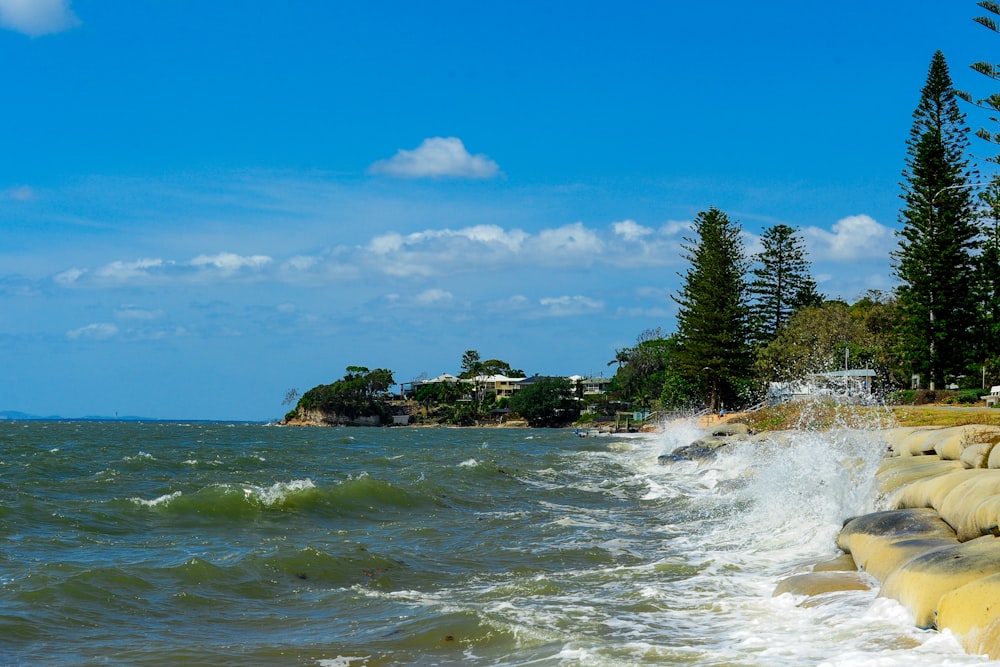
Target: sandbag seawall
937, 550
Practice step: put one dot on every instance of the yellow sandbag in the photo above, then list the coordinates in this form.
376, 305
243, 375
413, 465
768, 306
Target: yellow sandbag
920, 583
918, 442
911, 468
817, 583
930, 492
983, 520
881, 559
842, 563
863, 535
977, 455
892, 437
950, 442
960, 505
972, 613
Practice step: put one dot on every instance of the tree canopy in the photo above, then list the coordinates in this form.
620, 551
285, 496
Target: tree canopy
546, 401
934, 261
713, 315
782, 282
360, 393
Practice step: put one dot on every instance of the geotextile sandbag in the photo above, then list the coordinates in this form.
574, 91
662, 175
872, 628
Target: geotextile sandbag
972, 614
920, 583
864, 536
897, 472
931, 491
959, 507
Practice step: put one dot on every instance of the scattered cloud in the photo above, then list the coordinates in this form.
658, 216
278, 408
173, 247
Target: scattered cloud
151, 271
68, 277
851, 238
229, 263
630, 230
37, 17
125, 272
571, 305
96, 331
511, 252
437, 157
570, 242
433, 296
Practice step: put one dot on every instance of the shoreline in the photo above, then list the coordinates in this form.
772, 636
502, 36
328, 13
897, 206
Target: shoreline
936, 550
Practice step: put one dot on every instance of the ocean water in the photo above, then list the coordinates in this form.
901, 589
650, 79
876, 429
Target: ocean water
236, 544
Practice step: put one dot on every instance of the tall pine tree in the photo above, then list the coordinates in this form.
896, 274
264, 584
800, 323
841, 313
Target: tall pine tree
988, 282
991, 103
934, 262
713, 318
782, 282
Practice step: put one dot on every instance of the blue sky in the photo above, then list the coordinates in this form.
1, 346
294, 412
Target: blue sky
205, 204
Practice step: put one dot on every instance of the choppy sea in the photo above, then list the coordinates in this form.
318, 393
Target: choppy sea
244, 544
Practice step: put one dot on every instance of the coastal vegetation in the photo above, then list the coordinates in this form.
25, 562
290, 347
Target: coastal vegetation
360, 394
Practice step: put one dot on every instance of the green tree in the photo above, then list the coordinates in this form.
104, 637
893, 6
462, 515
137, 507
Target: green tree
649, 372
878, 314
472, 370
500, 367
713, 315
360, 393
934, 261
990, 103
988, 267
471, 365
813, 341
782, 282
547, 401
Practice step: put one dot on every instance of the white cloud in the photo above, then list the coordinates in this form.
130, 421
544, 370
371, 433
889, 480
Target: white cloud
630, 230
301, 263
432, 296
123, 272
571, 305
97, 331
675, 227
570, 241
68, 277
437, 157
229, 263
851, 238
37, 17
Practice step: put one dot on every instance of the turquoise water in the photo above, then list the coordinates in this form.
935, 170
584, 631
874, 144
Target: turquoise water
235, 544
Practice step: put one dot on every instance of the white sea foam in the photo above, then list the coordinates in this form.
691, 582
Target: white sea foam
344, 661
156, 502
277, 492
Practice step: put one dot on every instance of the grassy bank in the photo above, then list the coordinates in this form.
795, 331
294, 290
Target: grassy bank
821, 416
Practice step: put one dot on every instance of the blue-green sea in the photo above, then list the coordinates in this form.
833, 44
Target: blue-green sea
245, 544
